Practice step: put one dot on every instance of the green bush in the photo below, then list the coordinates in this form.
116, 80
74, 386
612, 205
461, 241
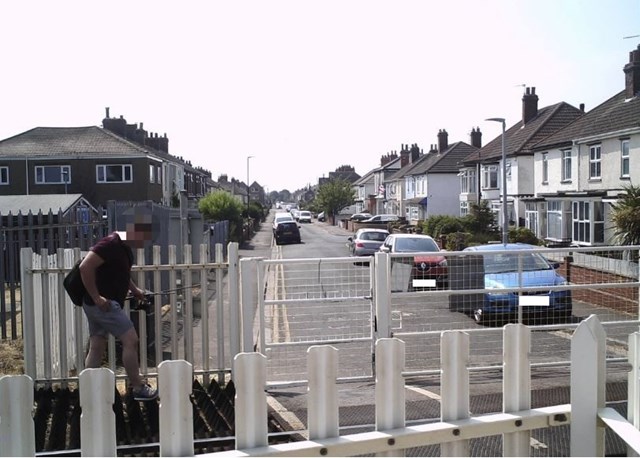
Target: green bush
457, 241
522, 235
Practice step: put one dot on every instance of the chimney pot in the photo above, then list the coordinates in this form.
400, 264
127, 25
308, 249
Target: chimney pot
107, 110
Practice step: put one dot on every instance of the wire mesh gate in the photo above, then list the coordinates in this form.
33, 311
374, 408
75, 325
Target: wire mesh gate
316, 301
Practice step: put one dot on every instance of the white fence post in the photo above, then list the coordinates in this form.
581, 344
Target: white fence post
233, 285
516, 384
28, 313
454, 358
633, 398
175, 379
248, 301
251, 400
322, 409
17, 430
588, 368
382, 295
97, 421
390, 394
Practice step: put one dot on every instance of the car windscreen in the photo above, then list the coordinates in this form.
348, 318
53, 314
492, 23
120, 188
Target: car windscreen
373, 236
501, 263
408, 245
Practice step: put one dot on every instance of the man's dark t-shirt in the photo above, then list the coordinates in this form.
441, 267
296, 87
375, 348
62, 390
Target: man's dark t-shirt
113, 276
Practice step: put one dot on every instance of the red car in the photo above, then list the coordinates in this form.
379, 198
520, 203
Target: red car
428, 271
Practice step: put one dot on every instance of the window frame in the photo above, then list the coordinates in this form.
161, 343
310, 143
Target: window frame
4, 175
125, 169
545, 168
587, 222
555, 219
490, 174
595, 162
567, 158
42, 172
625, 158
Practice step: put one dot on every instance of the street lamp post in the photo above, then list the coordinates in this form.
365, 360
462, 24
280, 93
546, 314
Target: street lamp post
505, 221
248, 186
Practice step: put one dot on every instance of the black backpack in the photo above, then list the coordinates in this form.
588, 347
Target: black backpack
73, 285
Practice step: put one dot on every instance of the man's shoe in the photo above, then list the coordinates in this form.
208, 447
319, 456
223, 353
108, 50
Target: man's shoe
144, 393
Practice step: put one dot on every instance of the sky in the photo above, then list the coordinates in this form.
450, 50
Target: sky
284, 92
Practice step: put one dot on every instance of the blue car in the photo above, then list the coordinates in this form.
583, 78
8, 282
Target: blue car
520, 268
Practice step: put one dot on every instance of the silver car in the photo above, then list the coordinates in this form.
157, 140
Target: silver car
366, 241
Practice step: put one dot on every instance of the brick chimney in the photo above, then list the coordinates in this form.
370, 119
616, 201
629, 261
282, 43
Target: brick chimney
117, 126
404, 155
415, 152
443, 140
163, 143
632, 74
529, 105
476, 137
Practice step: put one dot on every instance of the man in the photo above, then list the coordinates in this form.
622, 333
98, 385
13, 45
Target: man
106, 274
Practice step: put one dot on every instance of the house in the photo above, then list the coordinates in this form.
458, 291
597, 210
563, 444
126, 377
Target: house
580, 170
363, 189
389, 164
394, 185
120, 161
520, 139
428, 184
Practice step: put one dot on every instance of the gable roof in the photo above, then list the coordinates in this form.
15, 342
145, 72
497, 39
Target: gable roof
446, 162
69, 141
521, 138
35, 203
613, 115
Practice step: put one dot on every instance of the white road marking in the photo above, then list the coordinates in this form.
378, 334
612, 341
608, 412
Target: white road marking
427, 393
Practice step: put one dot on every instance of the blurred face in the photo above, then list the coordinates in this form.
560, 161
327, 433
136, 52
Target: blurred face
139, 232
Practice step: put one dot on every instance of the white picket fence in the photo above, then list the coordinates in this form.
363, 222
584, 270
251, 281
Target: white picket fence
587, 414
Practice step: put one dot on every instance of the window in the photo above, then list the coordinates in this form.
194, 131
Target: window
114, 173
545, 167
4, 175
468, 181
53, 174
624, 158
464, 208
490, 177
152, 173
554, 219
595, 162
566, 165
531, 217
588, 221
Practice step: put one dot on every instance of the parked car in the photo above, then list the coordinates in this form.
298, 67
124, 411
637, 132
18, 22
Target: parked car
321, 216
383, 218
427, 271
304, 216
360, 216
287, 232
281, 217
366, 241
520, 268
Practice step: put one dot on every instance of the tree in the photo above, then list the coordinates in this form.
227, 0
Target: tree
334, 195
625, 216
222, 206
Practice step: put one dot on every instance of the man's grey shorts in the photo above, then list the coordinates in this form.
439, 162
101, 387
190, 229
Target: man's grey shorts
114, 321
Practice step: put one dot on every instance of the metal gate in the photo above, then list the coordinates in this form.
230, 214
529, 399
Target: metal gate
315, 301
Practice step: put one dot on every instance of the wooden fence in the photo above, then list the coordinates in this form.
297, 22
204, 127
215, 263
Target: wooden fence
587, 414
